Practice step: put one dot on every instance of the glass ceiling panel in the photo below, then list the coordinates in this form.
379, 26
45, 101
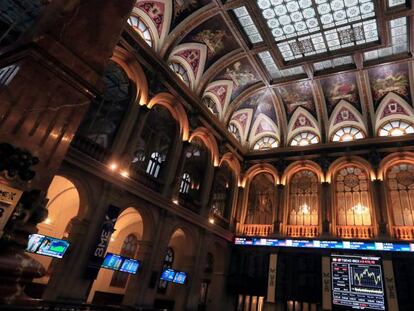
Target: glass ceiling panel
332, 63
399, 40
273, 69
248, 25
308, 27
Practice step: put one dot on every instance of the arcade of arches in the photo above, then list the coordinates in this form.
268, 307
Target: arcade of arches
206, 155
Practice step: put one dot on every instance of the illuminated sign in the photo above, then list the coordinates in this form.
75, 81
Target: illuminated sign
326, 244
357, 283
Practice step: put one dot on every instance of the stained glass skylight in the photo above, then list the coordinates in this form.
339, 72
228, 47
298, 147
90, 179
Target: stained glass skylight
332, 63
304, 28
399, 40
248, 25
274, 70
392, 3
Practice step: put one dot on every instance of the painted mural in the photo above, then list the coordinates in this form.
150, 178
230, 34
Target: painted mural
215, 34
261, 103
389, 78
241, 73
297, 95
340, 87
184, 8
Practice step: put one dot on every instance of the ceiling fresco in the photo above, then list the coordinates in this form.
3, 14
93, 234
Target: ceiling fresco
340, 87
289, 67
216, 36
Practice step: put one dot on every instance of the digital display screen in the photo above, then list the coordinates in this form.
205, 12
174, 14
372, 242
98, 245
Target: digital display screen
168, 275
180, 277
47, 246
120, 263
130, 266
357, 283
326, 244
112, 261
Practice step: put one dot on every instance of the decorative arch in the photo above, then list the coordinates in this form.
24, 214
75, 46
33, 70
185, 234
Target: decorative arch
393, 107
393, 159
345, 114
193, 57
210, 142
302, 121
338, 163
302, 212
157, 16
220, 91
397, 171
300, 165
234, 163
352, 204
242, 119
263, 126
134, 72
257, 169
176, 109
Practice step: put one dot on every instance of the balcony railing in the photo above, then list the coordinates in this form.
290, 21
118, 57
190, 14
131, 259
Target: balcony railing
361, 232
255, 230
91, 148
302, 231
403, 232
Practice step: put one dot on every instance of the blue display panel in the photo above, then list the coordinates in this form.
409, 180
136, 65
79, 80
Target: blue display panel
357, 283
47, 246
326, 244
120, 263
168, 275
180, 277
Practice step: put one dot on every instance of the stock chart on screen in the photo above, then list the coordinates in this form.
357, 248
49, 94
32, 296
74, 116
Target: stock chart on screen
357, 282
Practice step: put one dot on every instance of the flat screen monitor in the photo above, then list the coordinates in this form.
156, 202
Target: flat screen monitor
180, 277
112, 262
47, 246
357, 283
168, 275
130, 266
120, 263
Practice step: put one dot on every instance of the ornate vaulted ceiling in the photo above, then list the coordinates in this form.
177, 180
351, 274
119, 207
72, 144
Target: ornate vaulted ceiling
290, 72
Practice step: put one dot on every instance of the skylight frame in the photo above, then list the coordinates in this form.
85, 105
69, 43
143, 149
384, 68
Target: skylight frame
377, 18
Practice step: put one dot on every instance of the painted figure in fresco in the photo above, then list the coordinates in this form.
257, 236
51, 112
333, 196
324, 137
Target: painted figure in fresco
182, 5
390, 79
297, 95
213, 40
239, 75
343, 90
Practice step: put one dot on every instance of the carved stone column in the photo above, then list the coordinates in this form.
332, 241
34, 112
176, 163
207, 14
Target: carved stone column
325, 207
380, 207
279, 209
47, 81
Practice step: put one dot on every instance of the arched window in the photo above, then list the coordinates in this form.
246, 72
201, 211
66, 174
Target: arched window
154, 144
154, 164
261, 200
396, 128
211, 105
141, 28
266, 142
129, 249
400, 193
105, 115
185, 183
181, 72
222, 192
303, 207
304, 139
167, 264
197, 160
352, 201
348, 133
233, 129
